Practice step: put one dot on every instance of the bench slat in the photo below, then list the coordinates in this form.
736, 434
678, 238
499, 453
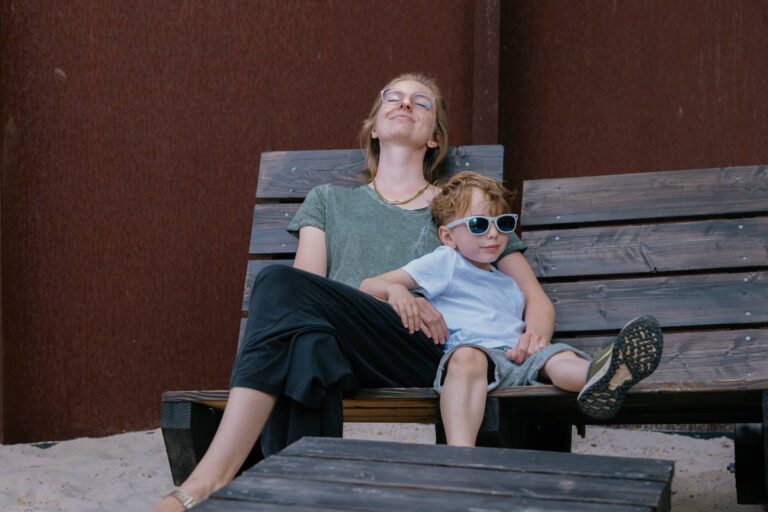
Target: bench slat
268, 230
292, 174
652, 195
649, 248
675, 301
692, 361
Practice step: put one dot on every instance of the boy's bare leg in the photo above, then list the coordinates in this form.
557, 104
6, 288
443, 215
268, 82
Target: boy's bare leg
462, 399
244, 417
566, 370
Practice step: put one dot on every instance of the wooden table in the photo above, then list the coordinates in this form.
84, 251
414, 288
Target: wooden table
346, 474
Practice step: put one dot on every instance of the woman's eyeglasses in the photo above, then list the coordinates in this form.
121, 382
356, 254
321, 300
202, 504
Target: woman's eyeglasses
480, 224
418, 99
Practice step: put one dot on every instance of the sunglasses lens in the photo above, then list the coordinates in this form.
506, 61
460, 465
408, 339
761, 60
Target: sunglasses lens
506, 223
478, 225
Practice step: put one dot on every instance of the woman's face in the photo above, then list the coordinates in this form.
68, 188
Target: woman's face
406, 121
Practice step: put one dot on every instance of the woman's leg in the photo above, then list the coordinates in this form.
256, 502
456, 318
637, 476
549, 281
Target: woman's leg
462, 398
307, 339
246, 412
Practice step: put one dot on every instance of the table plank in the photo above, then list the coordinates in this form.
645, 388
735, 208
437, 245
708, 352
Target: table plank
343, 496
485, 458
514, 483
343, 474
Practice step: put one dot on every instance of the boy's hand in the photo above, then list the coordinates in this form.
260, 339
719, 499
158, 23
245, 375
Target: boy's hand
528, 345
432, 322
405, 305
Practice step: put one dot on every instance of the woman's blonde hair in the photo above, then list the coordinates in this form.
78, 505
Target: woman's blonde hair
455, 198
434, 156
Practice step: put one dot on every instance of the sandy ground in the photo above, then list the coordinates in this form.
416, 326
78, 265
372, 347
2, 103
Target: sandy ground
128, 472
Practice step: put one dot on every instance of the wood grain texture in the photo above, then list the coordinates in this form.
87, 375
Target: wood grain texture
292, 174
268, 230
528, 479
735, 299
703, 366
351, 474
490, 458
640, 196
649, 248
305, 494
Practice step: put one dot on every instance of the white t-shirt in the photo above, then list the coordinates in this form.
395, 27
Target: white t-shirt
479, 306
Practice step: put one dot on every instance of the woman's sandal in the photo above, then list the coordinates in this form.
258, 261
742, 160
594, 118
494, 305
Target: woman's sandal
186, 500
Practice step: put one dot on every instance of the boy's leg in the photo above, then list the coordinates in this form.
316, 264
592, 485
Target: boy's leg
633, 356
566, 370
462, 399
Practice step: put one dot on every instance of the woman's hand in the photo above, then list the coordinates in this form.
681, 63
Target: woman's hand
528, 345
432, 321
405, 305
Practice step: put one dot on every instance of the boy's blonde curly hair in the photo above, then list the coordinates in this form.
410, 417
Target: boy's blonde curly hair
454, 200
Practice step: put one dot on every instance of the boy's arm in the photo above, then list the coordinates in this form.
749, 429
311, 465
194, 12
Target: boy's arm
393, 287
539, 314
381, 285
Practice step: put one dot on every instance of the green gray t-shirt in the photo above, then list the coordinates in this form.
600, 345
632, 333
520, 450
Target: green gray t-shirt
365, 236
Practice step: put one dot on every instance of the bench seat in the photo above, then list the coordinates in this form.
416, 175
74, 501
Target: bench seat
688, 247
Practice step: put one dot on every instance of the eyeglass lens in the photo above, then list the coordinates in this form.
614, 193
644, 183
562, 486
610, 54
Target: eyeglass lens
420, 100
504, 223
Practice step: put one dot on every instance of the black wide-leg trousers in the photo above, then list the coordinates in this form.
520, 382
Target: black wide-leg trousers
309, 339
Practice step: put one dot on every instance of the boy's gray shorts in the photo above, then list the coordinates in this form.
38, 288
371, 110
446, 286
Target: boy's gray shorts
506, 372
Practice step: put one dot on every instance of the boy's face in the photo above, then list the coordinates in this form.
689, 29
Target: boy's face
480, 250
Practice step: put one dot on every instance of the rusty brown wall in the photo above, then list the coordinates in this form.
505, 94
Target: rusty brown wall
131, 143
601, 87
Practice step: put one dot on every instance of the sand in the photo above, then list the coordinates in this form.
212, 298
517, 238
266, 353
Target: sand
129, 472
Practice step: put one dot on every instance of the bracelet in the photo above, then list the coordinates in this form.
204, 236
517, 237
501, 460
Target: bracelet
186, 500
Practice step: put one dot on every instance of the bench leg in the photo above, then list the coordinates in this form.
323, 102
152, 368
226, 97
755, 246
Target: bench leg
188, 429
751, 447
750, 463
517, 431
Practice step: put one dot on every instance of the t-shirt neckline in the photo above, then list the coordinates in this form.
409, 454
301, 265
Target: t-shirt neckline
376, 197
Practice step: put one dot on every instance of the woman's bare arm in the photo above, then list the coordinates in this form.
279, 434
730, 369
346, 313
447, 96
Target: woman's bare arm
312, 255
539, 314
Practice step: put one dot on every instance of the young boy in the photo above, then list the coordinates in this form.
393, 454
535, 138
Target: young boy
484, 310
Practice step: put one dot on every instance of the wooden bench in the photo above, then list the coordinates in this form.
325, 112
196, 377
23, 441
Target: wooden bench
689, 247
344, 474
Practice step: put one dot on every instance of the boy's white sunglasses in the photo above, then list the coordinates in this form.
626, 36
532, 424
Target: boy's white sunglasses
480, 224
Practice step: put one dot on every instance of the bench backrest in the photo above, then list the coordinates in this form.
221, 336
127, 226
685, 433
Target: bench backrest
285, 178
688, 247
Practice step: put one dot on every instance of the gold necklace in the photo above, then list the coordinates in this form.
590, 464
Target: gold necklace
401, 201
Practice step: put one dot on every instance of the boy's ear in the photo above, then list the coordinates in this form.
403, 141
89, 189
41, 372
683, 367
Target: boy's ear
446, 238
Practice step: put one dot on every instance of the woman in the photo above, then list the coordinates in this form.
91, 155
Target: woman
309, 338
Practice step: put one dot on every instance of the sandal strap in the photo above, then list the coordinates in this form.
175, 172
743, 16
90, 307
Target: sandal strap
186, 500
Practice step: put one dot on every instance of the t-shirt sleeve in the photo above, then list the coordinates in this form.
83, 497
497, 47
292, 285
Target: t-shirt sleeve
312, 211
432, 272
